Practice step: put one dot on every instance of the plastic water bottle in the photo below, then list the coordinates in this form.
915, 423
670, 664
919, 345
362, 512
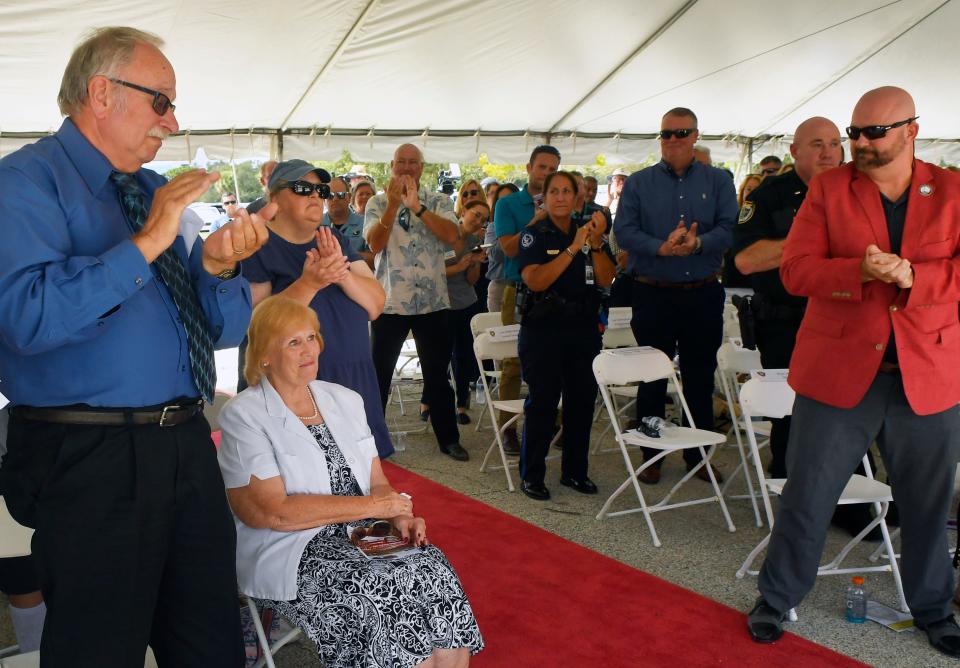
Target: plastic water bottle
856, 601
480, 394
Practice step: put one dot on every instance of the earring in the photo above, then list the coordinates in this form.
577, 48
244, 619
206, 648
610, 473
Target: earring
265, 364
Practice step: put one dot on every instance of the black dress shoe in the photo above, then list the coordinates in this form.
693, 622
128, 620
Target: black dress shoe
584, 486
765, 623
944, 636
455, 451
535, 490
463, 418
511, 444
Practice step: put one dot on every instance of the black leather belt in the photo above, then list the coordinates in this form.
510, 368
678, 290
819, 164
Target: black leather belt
693, 285
168, 416
889, 367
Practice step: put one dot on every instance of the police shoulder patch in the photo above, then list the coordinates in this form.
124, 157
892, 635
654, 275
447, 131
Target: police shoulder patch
746, 212
526, 240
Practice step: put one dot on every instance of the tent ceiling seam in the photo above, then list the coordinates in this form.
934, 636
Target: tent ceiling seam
853, 66
331, 60
626, 61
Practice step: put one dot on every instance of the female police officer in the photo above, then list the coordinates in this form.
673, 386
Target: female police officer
563, 268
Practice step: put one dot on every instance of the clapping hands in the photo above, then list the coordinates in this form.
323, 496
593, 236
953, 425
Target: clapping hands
681, 242
886, 267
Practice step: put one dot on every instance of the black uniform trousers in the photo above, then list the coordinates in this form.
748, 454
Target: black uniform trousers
826, 445
776, 339
134, 542
463, 362
689, 322
557, 361
431, 333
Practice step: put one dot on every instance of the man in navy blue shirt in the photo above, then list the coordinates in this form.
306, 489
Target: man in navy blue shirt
675, 221
108, 320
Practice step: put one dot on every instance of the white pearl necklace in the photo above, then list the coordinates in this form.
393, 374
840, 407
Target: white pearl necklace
316, 408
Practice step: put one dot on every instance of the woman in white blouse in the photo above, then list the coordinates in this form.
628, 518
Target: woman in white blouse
301, 469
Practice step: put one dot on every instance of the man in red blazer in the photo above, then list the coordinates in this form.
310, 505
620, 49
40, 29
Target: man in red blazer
876, 250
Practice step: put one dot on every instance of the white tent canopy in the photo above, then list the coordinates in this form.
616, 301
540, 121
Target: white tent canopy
460, 77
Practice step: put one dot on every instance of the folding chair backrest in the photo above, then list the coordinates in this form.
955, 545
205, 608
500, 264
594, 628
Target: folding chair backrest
619, 337
14, 537
732, 359
481, 322
632, 365
772, 399
486, 348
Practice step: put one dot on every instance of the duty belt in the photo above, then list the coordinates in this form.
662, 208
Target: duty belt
167, 416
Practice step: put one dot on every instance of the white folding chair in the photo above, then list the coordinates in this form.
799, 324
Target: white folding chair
731, 362
775, 399
481, 322
268, 649
731, 321
14, 542
485, 348
643, 365
618, 333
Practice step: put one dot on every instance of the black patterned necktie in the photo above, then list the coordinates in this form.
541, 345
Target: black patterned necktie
174, 274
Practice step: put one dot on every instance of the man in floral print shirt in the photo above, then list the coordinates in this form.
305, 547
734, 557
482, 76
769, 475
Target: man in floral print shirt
408, 229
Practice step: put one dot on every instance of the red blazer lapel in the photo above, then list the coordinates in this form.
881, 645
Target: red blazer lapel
869, 198
923, 196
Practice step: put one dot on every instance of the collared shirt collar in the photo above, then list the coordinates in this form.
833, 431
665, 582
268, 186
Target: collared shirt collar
665, 166
91, 164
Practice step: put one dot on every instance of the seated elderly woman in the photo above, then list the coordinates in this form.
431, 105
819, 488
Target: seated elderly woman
300, 466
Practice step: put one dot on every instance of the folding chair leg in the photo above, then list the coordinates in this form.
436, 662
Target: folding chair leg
881, 549
716, 487
748, 562
261, 635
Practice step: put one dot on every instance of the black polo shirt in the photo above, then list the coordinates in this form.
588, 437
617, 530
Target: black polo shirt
896, 215
768, 213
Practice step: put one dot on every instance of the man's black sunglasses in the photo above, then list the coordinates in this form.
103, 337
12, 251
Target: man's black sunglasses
305, 188
683, 133
230, 202
876, 131
343, 195
161, 103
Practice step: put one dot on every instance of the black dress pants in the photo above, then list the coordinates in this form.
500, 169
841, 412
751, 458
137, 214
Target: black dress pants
689, 322
463, 362
555, 362
432, 335
134, 544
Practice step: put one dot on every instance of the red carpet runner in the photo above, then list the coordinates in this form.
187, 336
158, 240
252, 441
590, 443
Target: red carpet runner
545, 602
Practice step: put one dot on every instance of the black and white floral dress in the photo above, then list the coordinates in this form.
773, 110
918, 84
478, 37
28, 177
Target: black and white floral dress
374, 613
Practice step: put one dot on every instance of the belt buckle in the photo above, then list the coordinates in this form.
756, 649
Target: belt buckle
163, 414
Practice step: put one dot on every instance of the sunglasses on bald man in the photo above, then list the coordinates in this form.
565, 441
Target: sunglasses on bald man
161, 103
682, 133
305, 189
876, 131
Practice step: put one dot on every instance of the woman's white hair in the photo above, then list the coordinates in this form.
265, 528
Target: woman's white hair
104, 51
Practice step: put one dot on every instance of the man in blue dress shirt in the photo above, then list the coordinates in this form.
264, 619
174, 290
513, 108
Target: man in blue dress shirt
108, 320
675, 221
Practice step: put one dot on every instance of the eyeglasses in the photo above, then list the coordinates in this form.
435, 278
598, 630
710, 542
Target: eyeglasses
470, 193
343, 195
682, 133
161, 103
305, 189
769, 170
872, 132
230, 202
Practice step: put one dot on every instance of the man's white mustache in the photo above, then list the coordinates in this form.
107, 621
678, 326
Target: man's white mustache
158, 133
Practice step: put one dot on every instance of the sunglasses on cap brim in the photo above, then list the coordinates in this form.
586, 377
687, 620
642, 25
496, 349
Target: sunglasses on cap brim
876, 131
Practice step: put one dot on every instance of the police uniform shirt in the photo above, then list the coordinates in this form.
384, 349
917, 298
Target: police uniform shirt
768, 213
544, 242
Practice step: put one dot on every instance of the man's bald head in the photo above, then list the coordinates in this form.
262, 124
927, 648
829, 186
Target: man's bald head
816, 147
407, 161
885, 106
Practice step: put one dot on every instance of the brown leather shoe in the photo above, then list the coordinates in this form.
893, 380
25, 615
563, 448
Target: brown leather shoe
702, 474
649, 476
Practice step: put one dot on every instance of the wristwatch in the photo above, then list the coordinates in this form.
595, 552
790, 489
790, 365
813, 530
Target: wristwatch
227, 274
423, 208
698, 248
